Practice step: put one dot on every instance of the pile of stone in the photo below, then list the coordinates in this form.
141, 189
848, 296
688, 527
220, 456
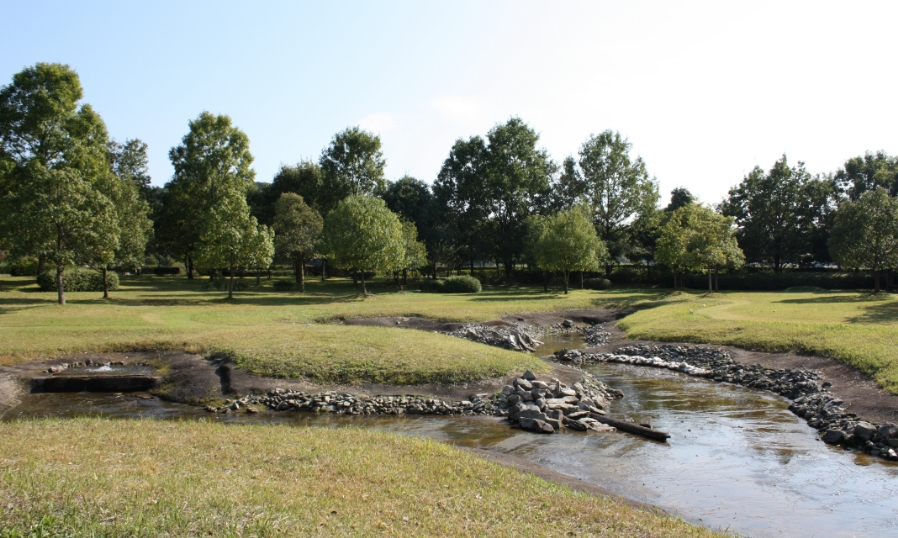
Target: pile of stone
520, 337
544, 407
596, 335
811, 399
353, 404
87, 363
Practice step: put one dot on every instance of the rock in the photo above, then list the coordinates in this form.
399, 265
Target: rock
536, 425
539, 385
833, 437
646, 422
523, 384
529, 376
513, 399
567, 324
507, 389
888, 431
864, 430
575, 425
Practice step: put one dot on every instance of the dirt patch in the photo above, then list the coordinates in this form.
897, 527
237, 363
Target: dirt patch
867, 400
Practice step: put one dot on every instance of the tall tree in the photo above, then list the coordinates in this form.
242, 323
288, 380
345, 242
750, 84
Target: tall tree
415, 251
865, 233
568, 242
212, 161
231, 237
518, 183
363, 234
774, 213
353, 163
131, 163
298, 228
867, 173
53, 156
679, 197
618, 189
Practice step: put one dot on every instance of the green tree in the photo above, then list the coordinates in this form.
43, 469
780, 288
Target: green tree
865, 233
617, 188
696, 237
363, 234
867, 173
518, 184
212, 161
679, 197
53, 159
298, 228
231, 237
415, 251
568, 242
775, 213
353, 163
130, 162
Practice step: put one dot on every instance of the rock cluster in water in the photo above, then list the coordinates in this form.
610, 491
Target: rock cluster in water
811, 399
519, 337
544, 407
85, 364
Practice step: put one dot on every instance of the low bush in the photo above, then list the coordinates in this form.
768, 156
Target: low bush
432, 286
23, 267
596, 283
163, 271
461, 284
282, 285
77, 280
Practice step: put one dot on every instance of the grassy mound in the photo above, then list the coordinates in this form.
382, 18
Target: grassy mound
92, 477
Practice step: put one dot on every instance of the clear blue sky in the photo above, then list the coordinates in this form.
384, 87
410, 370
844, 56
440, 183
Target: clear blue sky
703, 90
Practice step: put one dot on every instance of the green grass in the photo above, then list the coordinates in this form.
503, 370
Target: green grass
275, 333
96, 477
857, 328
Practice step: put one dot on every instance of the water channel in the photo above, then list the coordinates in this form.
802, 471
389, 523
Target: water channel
737, 458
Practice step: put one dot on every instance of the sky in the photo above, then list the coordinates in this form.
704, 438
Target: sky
704, 91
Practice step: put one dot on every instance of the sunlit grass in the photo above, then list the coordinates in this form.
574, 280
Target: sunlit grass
90, 477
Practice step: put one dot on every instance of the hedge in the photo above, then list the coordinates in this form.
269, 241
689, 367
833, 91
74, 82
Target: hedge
77, 280
163, 271
453, 284
596, 283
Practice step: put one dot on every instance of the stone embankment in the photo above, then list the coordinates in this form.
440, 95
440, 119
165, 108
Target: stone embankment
542, 406
520, 336
810, 395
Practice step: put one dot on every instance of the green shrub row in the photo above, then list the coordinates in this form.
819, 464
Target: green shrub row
596, 283
453, 284
77, 280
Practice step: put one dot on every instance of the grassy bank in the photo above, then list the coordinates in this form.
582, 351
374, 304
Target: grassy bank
857, 328
145, 478
275, 333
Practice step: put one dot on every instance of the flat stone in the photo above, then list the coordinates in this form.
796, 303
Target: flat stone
833, 437
523, 384
536, 425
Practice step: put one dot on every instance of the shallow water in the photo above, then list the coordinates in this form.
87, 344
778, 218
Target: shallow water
736, 459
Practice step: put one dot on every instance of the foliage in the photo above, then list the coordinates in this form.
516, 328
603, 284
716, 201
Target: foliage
597, 283
298, 228
568, 242
23, 267
778, 213
618, 189
695, 237
78, 280
867, 173
282, 285
461, 284
162, 271
131, 163
54, 154
415, 251
352, 164
679, 197
362, 234
212, 161
865, 233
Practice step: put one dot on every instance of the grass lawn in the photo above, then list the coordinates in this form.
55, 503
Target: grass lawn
857, 328
276, 333
93, 477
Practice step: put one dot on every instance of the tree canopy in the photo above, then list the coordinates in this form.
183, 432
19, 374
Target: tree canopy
298, 229
865, 233
352, 163
568, 242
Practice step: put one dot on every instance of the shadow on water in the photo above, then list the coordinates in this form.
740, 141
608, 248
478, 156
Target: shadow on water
737, 458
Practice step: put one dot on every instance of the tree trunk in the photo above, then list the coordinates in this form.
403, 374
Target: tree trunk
59, 290
269, 272
675, 281
566, 276
608, 269
41, 263
364, 290
876, 281
105, 284
258, 277
188, 264
545, 281
355, 277
302, 276
323, 269
231, 282
405, 277
581, 280
296, 276
710, 289
716, 279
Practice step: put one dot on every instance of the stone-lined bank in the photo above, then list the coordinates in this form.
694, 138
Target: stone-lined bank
810, 395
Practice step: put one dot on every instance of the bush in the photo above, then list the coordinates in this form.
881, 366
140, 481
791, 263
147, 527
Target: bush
461, 284
432, 286
163, 271
282, 285
77, 280
23, 267
596, 283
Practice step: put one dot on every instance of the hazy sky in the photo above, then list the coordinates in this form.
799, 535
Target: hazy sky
703, 90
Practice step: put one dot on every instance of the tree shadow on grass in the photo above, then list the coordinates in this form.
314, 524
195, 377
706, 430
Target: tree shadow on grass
880, 313
835, 299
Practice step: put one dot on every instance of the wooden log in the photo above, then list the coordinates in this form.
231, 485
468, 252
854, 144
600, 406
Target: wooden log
632, 428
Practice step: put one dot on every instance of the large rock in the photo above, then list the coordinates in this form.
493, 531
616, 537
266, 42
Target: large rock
523, 384
536, 425
864, 430
888, 431
524, 407
529, 376
833, 437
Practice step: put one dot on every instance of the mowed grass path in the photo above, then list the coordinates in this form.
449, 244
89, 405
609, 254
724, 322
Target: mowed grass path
857, 328
274, 333
151, 478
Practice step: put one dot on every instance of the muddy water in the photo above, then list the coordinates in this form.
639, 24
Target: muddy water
737, 458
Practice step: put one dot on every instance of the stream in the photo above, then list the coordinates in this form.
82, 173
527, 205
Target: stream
737, 458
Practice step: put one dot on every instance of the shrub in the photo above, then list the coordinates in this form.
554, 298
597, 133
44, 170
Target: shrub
162, 271
461, 284
23, 267
596, 283
74, 279
432, 286
282, 285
